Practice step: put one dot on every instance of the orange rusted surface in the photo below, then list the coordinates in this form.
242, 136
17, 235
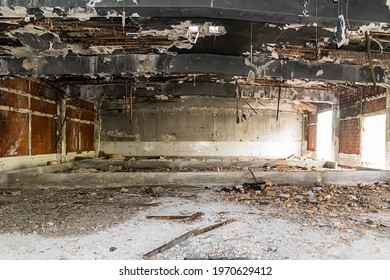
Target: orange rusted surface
13, 134
43, 135
13, 100
43, 107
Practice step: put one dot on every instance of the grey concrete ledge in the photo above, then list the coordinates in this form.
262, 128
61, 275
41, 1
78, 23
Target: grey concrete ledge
181, 179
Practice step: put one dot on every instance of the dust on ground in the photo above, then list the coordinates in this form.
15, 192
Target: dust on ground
51, 212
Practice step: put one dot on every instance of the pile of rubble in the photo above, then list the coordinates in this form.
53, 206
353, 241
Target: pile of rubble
318, 202
264, 168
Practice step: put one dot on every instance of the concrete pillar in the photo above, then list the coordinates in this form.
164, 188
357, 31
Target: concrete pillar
336, 130
387, 164
63, 129
98, 122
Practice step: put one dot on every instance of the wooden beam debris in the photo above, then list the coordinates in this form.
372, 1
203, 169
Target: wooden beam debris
190, 218
213, 227
184, 237
169, 245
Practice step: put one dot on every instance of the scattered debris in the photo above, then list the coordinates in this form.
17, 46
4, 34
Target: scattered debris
213, 227
319, 201
190, 218
183, 237
169, 245
124, 190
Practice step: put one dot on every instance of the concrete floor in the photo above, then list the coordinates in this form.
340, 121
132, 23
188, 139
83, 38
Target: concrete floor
258, 233
90, 215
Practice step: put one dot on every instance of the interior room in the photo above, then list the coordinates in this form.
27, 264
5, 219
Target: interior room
127, 124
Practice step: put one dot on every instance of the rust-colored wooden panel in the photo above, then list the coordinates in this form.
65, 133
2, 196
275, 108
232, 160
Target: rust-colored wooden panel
13, 100
72, 136
43, 136
87, 137
43, 107
88, 116
13, 134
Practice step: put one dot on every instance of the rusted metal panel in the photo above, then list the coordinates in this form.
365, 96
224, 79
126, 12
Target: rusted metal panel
87, 137
13, 134
43, 107
13, 100
43, 135
72, 136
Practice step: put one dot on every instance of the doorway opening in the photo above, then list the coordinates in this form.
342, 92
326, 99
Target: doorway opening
324, 135
374, 141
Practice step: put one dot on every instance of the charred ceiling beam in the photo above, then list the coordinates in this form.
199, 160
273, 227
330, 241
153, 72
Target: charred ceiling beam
277, 11
201, 89
190, 64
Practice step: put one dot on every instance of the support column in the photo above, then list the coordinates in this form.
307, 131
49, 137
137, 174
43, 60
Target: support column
336, 130
29, 120
63, 129
387, 157
98, 122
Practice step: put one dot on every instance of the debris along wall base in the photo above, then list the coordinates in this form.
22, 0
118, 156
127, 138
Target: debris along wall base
33, 128
201, 127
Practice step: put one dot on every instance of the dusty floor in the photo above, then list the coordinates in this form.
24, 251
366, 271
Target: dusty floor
285, 222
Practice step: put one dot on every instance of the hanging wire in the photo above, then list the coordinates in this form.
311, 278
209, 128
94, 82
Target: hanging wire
316, 23
347, 14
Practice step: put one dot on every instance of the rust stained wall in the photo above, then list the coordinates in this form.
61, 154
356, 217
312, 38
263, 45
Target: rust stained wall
43, 135
80, 127
38, 104
87, 137
43, 107
13, 100
14, 127
72, 137
13, 134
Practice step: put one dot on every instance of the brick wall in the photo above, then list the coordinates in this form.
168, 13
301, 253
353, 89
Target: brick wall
349, 136
29, 120
353, 105
80, 126
312, 133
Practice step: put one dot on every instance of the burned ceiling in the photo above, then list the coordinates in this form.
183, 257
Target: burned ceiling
102, 48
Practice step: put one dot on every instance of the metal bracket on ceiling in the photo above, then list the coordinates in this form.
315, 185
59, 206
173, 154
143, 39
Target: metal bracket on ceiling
193, 33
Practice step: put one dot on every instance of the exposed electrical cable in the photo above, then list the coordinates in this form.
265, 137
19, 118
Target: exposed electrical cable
347, 14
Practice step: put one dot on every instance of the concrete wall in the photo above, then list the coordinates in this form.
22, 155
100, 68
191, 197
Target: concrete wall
201, 127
